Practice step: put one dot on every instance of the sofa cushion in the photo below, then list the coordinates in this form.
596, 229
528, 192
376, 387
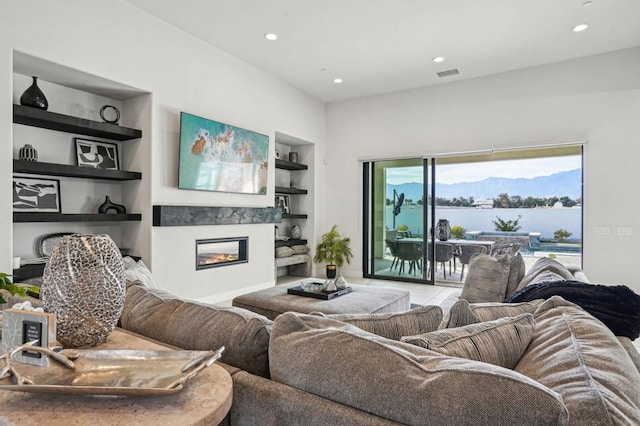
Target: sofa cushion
463, 313
574, 354
615, 305
397, 324
517, 270
501, 342
403, 382
487, 279
549, 269
191, 325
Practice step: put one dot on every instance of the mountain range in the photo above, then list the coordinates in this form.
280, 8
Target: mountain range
560, 184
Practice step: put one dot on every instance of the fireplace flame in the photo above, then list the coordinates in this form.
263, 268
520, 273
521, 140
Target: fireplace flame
219, 258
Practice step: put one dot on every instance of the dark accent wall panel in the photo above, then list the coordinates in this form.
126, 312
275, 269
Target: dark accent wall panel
202, 215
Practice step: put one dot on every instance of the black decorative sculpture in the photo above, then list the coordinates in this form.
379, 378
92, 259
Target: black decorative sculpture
109, 205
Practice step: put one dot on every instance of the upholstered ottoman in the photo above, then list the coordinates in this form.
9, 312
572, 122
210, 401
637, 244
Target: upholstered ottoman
364, 299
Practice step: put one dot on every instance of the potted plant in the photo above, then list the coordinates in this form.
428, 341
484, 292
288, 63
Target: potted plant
13, 289
334, 250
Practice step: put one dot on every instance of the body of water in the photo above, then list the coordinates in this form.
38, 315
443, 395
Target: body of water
544, 221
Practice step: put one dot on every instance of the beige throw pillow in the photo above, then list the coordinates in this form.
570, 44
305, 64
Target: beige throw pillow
284, 252
395, 325
487, 279
517, 270
500, 342
463, 313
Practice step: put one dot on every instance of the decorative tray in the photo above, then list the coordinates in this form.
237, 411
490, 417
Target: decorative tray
324, 295
105, 372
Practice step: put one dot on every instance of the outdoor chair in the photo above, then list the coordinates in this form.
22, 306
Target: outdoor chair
501, 249
466, 251
410, 252
393, 248
444, 253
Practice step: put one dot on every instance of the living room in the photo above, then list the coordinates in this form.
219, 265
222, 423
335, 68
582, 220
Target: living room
91, 53
590, 100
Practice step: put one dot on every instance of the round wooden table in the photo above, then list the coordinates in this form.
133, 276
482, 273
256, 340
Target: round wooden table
205, 400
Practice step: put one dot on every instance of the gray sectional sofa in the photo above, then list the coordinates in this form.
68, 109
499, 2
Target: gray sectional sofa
540, 362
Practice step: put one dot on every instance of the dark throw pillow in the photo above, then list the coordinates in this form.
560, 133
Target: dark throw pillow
618, 307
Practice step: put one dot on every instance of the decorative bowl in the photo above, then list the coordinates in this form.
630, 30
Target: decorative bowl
314, 287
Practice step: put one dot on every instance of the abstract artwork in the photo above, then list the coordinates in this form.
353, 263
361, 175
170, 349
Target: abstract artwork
96, 154
219, 157
36, 195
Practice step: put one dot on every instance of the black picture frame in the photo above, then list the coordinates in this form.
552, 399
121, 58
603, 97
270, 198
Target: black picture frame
282, 201
36, 195
97, 154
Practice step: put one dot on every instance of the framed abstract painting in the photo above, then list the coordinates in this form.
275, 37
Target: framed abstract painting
36, 195
220, 157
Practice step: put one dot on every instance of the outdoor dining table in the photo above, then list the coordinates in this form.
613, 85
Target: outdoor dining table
453, 241
456, 242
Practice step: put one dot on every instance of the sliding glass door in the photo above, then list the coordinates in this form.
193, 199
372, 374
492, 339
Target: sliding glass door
397, 213
424, 217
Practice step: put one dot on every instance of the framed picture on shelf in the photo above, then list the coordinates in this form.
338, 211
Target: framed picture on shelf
36, 195
282, 201
97, 154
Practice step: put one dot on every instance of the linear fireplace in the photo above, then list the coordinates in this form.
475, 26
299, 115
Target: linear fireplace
212, 253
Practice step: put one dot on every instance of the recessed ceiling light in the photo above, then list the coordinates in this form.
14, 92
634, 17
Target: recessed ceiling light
580, 27
438, 59
271, 36
337, 80
587, 3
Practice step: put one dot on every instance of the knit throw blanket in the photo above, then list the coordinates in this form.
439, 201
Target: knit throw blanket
618, 307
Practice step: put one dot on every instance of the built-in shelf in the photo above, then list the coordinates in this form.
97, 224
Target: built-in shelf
288, 165
66, 123
294, 216
288, 190
24, 217
290, 242
51, 169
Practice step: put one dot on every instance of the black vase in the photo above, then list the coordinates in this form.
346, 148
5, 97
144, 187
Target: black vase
444, 230
33, 97
109, 205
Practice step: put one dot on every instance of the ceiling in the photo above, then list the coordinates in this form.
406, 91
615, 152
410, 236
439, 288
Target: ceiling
382, 46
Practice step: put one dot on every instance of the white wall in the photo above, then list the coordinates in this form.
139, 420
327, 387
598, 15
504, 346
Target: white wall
117, 41
593, 99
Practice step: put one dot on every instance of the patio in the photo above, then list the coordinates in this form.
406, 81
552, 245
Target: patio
383, 267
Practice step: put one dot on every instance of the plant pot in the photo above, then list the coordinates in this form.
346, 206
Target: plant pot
331, 271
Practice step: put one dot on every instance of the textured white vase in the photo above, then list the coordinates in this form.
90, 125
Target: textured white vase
84, 286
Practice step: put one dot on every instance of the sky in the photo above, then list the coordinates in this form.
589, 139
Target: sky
473, 172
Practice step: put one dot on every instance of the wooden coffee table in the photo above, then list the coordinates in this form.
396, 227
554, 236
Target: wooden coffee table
204, 400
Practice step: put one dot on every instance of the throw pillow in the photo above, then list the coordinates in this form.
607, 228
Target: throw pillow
284, 251
464, 313
138, 272
501, 342
189, 325
616, 306
545, 264
300, 249
395, 325
487, 279
400, 382
517, 270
